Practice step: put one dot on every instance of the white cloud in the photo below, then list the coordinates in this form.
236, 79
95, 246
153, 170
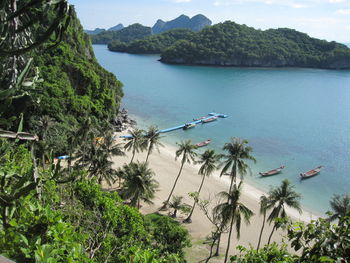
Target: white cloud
182, 1
295, 5
343, 11
336, 1
289, 3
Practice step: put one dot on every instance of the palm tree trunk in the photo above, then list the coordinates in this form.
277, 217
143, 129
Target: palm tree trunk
133, 155
229, 239
273, 229
211, 250
218, 246
261, 231
43, 160
148, 153
233, 177
35, 169
188, 219
177, 178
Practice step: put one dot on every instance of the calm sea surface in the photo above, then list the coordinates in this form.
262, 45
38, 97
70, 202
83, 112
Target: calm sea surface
294, 117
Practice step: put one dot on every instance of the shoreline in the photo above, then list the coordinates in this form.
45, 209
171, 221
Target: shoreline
166, 169
313, 214
249, 190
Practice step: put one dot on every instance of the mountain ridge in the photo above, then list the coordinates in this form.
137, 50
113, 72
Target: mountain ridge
196, 23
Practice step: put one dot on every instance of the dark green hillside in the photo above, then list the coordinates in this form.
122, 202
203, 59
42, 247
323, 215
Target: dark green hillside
230, 44
127, 34
74, 86
153, 44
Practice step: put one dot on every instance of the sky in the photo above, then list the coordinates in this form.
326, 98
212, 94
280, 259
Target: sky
324, 19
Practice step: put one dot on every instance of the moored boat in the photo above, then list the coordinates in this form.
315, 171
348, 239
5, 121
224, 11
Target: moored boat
204, 143
209, 119
311, 173
200, 118
273, 172
189, 126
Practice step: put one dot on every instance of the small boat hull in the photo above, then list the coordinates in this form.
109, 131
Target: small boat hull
202, 144
189, 126
310, 173
272, 172
209, 120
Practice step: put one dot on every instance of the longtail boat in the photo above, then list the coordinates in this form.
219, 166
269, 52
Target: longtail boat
204, 143
200, 118
210, 119
272, 172
311, 173
189, 126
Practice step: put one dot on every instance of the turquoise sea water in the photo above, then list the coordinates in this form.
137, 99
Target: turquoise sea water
294, 117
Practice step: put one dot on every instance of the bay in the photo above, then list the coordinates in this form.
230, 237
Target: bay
295, 117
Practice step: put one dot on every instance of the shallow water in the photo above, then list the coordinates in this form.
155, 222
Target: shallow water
294, 117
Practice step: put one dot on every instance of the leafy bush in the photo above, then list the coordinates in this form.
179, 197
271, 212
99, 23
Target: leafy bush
169, 236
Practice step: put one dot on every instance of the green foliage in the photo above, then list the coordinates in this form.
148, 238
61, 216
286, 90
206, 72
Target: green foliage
138, 184
74, 86
231, 44
268, 254
322, 241
38, 233
169, 236
154, 44
127, 34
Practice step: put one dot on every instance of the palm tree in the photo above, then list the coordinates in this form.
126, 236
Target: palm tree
139, 184
237, 152
177, 204
96, 157
152, 140
44, 125
340, 204
186, 149
279, 198
264, 203
135, 142
232, 211
209, 160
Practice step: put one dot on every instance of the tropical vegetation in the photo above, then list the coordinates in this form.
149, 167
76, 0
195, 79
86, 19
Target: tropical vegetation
154, 44
60, 101
231, 44
187, 151
126, 35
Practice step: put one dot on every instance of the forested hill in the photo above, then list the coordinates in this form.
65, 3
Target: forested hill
231, 44
74, 86
127, 34
154, 44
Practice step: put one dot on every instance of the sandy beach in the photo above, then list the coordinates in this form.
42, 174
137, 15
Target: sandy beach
166, 170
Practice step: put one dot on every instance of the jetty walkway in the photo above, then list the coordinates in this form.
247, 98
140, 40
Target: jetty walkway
194, 122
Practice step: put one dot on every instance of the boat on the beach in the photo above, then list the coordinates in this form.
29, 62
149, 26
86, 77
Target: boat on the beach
189, 126
209, 119
311, 173
204, 143
272, 172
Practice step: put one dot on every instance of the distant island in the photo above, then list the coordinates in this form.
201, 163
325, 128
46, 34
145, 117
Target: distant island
103, 36
195, 23
231, 44
127, 34
99, 30
154, 44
